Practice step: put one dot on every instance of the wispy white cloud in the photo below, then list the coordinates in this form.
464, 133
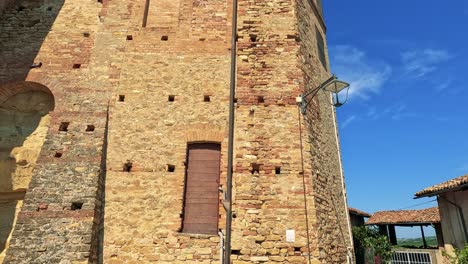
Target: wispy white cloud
398, 112
366, 76
443, 85
418, 63
348, 121
372, 113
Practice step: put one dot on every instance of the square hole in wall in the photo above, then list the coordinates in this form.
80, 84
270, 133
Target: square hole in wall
86, 35
165, 38
58, 154
76, 66
253, 37
76, 206
127, 167
64, 126
171, 98
89, 128
277, 170
235, 252
206, 98
255, 168
170, 168
49, 8
121, 98
260, 99
129, 37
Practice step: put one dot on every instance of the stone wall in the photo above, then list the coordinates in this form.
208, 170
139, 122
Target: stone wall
144, 90
151, 131
56, 220
331, 222
23, 127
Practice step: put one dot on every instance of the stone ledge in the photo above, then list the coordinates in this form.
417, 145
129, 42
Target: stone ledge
191, 235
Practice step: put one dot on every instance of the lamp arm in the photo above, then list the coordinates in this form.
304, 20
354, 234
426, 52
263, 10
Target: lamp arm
306, 103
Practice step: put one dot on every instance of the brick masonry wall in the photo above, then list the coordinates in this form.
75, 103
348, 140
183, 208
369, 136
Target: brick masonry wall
135, 217
48, 230
331, 222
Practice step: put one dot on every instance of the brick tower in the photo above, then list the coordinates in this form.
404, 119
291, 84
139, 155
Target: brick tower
114, 131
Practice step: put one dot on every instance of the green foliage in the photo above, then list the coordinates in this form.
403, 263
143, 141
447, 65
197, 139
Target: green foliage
460, 256
367, 237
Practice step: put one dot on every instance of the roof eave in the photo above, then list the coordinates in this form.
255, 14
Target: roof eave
430, 194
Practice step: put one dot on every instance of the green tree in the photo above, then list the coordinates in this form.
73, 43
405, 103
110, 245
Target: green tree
369, 238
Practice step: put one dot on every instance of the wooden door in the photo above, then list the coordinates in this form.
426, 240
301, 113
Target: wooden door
201, 203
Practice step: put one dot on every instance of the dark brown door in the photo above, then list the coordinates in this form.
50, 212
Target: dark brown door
201, 189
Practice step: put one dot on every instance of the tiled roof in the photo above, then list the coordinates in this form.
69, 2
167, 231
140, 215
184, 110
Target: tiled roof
405, 217
453, 184
358, 212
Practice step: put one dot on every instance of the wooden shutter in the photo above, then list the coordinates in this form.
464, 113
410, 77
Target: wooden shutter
201, 203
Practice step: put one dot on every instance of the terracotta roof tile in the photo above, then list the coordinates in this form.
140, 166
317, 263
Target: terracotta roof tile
358, 212
457, 183
405, 217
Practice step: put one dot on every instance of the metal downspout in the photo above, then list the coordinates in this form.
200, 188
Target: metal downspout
350, 249
221, 247
227, 248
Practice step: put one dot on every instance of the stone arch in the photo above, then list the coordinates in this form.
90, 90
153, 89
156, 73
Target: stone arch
24, 120
204, 133
11, 89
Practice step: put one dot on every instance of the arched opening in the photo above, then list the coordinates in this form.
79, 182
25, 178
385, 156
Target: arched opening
24, 120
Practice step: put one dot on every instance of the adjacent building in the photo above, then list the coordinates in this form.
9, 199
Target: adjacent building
452, 198
357, 217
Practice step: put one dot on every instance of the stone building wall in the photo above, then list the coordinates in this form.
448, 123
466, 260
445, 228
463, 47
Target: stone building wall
331, 223
144, 90
56, 220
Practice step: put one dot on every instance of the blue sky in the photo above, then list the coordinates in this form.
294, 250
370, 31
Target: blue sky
405, 125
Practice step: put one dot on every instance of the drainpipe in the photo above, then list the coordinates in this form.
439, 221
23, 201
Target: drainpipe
462, 216
227, 247
221, 247
350, 249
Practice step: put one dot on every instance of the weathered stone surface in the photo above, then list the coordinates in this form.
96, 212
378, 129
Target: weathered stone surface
104, 69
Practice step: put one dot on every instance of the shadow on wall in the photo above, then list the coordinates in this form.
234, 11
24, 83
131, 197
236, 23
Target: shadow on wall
24, 26
23, 127
24, 106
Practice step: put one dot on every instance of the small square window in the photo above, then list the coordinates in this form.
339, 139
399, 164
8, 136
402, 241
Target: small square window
170, 168
255, 168
128, 166
277, 170
261, 99
76, 206
64, 126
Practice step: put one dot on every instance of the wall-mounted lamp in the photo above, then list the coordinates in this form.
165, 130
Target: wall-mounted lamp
332, 85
